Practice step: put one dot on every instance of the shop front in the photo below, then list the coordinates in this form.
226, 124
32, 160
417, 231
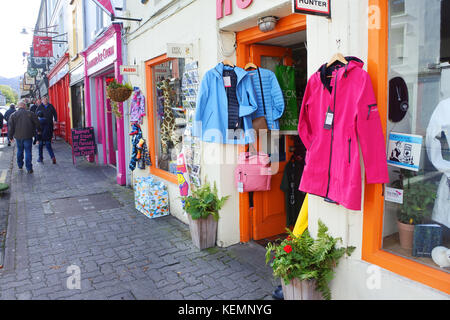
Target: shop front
58, 93
102, 61
77, 96
384, 40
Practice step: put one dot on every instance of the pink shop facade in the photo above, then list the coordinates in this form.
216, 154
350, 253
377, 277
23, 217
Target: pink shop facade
102, 65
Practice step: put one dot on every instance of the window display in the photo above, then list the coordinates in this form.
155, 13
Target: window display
417, 201
169, 116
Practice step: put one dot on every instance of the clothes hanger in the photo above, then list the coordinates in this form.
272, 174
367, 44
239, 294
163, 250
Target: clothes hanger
337, 57
227, 62
250, 65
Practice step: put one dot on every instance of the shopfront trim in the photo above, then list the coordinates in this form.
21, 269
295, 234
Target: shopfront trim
373, 199
170, 177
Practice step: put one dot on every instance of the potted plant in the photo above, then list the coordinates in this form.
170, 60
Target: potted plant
203, 207
306, 265
117, 93
418, 200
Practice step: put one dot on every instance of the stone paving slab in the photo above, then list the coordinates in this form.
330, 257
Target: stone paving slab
119, 253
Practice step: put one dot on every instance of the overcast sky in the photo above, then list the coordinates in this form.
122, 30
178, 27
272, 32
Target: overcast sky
15, 15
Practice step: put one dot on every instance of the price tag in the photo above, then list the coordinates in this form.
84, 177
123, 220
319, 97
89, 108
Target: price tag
240, 187
329, 120
227, 82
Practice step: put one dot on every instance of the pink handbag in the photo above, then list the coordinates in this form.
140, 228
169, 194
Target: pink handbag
253, 172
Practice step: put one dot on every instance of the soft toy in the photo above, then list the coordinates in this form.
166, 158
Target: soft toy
441, 256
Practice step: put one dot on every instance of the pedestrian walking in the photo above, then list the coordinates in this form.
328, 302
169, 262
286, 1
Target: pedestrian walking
36, 102
49, 111
8, 113
45, 138
22, 125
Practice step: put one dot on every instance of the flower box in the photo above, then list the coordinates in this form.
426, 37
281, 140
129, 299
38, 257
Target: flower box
301, 290
203, 232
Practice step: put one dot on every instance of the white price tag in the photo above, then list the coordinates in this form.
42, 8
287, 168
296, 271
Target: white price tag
240, 187
227, 82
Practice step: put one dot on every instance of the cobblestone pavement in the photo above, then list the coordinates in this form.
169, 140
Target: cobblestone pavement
121, 254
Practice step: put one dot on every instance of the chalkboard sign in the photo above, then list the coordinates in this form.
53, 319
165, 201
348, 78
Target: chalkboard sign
83, 142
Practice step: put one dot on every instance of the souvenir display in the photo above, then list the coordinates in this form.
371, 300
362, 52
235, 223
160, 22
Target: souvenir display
137, 106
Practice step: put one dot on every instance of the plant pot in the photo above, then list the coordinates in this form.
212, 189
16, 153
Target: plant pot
203, 232
406, 234
301, 290
119, 94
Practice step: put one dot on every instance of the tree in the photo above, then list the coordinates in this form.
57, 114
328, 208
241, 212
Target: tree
10, 95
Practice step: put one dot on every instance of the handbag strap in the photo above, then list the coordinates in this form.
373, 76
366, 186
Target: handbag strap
262, 92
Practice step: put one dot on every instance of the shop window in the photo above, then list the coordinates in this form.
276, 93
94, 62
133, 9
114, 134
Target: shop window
168, 112
417, 199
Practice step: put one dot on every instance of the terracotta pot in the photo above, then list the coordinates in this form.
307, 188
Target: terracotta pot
406, 234
301, 290
203, 232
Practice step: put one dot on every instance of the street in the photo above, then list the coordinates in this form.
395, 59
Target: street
70, 232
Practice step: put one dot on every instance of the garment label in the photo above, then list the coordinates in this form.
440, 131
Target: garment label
329, 119
393, 195
227, 82
240, 187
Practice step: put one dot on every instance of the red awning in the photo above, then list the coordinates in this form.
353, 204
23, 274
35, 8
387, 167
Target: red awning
105, 5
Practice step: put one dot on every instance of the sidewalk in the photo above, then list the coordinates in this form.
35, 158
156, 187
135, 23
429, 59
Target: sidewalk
65, 215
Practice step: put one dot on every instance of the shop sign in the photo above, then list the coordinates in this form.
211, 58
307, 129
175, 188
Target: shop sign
227, 5
128, 70
76, 74
177, 50
313, 7
103, 56
29, 80
61, 73
42, 46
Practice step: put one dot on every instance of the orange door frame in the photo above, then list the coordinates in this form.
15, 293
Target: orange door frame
290, 24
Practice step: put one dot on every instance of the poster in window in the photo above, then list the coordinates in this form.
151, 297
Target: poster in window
404, 150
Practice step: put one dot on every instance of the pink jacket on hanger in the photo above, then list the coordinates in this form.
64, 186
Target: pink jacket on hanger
336, 112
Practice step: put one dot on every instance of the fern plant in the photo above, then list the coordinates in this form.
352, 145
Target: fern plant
204, 201
306, 258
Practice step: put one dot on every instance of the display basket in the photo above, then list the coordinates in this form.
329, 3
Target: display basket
118, 94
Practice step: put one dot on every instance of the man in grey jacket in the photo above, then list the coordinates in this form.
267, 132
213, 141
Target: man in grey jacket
22, 126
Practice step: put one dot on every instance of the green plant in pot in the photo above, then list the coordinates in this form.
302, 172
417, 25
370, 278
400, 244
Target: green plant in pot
306, 265
418, 200
118, 93
202, 207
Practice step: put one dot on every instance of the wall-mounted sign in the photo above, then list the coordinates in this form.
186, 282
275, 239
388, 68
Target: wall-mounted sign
178, 50
314, 7
103, 56
59, 75
227, 5
42, 46
129, 70
29, 80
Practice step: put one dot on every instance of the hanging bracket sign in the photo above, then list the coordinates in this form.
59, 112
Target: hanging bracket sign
128, 70
313, 7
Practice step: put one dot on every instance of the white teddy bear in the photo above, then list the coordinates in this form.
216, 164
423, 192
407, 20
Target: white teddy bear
441, 256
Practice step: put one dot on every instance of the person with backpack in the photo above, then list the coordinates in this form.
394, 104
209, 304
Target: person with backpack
45, 138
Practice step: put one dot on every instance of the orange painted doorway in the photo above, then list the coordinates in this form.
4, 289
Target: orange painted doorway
263, 214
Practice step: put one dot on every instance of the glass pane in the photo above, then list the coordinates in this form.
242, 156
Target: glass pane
417, 201
170, 120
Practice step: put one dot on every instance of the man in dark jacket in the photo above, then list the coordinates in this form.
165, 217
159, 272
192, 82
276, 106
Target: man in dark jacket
8, 113
45, 138
22, 126
35, 104
49, 111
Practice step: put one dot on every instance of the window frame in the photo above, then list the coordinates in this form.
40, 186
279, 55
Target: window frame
151, 120
372, 250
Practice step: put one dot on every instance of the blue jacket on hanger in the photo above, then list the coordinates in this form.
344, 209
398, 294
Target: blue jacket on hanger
273, 97
217, 109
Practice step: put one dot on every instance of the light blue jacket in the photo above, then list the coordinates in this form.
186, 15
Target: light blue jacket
211, 114
273, 97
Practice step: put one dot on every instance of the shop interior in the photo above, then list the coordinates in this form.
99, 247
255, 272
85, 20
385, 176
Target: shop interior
278, 209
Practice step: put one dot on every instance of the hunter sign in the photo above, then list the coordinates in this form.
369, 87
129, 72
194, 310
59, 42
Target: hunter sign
313, 7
